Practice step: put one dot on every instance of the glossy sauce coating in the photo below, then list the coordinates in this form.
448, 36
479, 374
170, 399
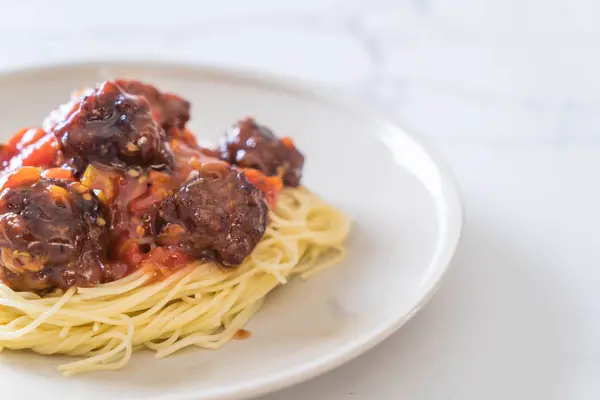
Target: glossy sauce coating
169, 110
115, 128
251, 145
218, 215
29, 147
53, 233
158, 201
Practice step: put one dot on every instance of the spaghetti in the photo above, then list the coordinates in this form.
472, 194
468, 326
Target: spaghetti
200, 304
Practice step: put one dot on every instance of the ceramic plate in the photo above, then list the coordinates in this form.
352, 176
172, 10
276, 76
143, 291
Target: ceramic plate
407, 221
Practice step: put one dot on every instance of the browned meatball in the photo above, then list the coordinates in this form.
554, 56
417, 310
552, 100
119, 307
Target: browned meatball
169, 110
51, 235
219, 215
114, 128
250, 145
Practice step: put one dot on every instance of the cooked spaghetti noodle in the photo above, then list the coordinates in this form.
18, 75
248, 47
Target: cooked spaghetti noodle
202, 304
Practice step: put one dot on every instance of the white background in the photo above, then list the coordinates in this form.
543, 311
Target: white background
508, 91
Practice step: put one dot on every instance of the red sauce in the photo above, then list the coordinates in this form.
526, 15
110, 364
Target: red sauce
29, 147
88, 149
242, 334
132, 237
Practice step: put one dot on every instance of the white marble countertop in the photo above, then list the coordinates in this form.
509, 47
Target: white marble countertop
508, 92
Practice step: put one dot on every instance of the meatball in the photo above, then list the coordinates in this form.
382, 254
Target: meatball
219, 215
114, 128
169, 110
250, 145
52, 234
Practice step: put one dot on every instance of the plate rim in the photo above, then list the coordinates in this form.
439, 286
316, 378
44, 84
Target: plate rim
298, 88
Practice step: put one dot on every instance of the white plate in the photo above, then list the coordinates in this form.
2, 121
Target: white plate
407, 221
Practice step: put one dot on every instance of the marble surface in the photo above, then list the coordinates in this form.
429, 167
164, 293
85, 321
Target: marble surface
506, 90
